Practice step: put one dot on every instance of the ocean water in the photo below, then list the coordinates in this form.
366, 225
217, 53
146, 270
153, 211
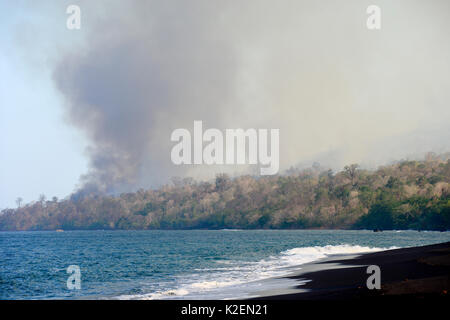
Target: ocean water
194, 264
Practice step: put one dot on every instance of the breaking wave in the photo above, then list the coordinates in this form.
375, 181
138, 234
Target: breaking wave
229, 277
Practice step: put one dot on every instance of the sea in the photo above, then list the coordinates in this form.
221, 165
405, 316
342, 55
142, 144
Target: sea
176, 264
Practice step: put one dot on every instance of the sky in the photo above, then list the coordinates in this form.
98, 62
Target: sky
94, 108
40, 153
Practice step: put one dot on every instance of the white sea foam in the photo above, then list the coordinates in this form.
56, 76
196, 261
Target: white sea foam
155, 295
231, 277
212, 284
309, 254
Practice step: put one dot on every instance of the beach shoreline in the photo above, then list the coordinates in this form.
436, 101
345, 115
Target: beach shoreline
414, 272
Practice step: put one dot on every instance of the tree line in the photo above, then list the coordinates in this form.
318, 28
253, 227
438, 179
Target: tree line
403, 195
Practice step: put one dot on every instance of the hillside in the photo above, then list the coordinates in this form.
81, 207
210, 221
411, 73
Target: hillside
404, 195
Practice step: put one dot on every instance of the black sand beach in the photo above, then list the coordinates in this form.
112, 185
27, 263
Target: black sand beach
417, 272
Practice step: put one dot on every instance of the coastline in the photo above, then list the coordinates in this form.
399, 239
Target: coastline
415, 272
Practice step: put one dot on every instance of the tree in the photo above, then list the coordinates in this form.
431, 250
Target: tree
393, 196
222, 182
19, 201
42, 198
351, 172
380, 217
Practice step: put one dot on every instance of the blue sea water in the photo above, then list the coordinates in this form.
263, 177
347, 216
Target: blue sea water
194, 264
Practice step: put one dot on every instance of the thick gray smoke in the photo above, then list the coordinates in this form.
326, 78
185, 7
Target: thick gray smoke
338, 92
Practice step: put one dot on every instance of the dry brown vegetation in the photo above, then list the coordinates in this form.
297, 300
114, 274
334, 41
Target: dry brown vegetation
404, 195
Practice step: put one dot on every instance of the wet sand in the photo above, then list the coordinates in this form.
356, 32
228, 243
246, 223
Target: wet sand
417, 272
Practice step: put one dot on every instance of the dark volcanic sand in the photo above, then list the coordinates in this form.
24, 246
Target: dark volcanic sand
418, 272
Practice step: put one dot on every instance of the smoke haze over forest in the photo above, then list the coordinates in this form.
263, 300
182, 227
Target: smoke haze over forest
338, 92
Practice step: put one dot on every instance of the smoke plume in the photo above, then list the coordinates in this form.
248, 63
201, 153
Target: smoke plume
337, 91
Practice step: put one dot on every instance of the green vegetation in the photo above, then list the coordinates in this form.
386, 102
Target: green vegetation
405, 195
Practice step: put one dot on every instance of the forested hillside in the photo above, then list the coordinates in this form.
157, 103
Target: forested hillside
404, 195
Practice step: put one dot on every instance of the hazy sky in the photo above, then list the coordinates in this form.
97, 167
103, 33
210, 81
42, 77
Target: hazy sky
101, 102
39, 152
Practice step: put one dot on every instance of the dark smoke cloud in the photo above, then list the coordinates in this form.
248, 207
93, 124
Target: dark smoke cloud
137, 80
311, 69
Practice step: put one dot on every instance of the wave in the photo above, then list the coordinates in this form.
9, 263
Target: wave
155, 295
232, 275
309, 254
